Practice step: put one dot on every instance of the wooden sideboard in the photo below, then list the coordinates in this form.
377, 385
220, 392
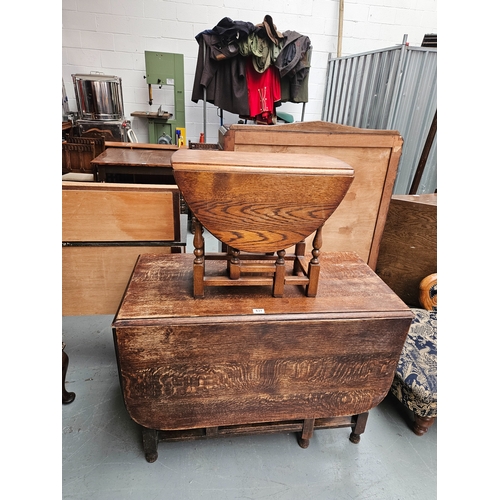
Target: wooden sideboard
358, 223
240, 361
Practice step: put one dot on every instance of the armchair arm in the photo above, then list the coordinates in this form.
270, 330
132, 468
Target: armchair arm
428, 292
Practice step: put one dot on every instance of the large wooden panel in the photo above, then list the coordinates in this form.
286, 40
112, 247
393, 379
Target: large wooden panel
110, 212
357, 224
94, 279
408, 250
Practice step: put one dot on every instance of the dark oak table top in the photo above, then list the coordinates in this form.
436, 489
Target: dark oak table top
161, 288
134, 157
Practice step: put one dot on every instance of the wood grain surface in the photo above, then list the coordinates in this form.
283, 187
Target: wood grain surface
261, 203
94, 279
107, 212
408, 250
358, 223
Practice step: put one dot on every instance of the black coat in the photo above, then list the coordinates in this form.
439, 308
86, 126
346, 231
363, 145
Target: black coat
220, 68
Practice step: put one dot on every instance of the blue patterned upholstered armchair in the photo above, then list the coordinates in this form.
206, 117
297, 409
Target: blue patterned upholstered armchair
415, 380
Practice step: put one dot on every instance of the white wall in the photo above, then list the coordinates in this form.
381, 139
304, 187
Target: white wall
110, 36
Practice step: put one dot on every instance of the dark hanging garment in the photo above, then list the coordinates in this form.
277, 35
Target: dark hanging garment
220, 68
293, 64
230, 32
223, 77
295, 88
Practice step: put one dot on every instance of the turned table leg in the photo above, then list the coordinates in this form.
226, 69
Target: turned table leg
150, 444
234, 264
359, 427
279, 275
199, 260
307, 432
67, 397
314, 266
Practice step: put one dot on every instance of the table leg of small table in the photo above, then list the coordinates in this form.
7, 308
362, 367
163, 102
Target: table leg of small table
300, 251
314, 267
199, 261
313, 274
279, 275
234, 265
150, 444
359, 427
307, 432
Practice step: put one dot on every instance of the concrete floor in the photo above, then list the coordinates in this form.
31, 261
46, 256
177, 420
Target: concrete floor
103, 459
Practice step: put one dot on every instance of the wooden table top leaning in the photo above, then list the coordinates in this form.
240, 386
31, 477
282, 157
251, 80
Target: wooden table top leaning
241, 361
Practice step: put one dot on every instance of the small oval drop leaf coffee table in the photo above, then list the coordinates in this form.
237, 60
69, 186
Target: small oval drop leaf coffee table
260, 204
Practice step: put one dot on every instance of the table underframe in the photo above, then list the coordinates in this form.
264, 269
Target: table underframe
305, 429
